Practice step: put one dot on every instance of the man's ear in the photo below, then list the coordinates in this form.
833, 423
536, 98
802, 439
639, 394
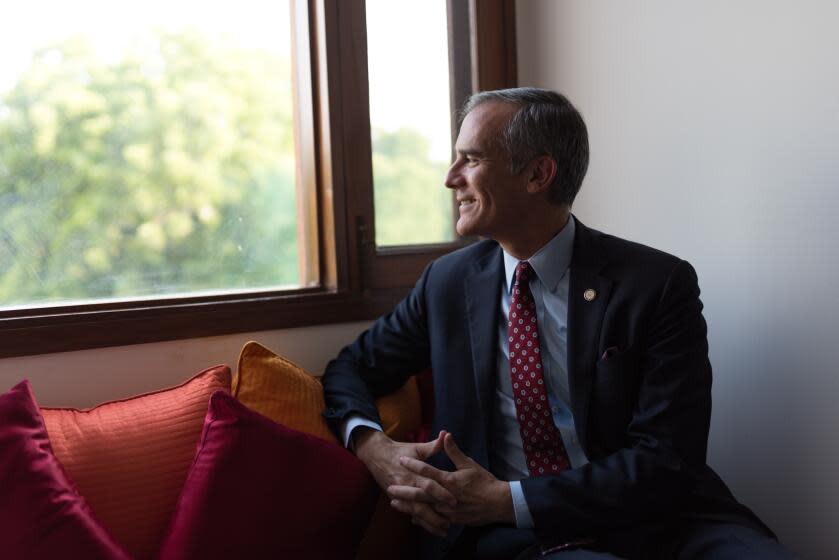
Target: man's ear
541, 173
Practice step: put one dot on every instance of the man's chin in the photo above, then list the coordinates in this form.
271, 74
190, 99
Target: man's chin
468, 227
464, 230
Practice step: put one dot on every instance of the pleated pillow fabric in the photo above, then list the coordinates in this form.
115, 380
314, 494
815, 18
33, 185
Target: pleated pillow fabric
281, 390
129, 458
42, 516
286, 393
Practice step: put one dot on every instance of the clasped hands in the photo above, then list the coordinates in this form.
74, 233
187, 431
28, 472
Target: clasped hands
433, 498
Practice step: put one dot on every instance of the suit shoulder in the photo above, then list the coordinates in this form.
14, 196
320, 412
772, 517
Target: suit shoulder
629, 259
642, 273
462, 260
621, 250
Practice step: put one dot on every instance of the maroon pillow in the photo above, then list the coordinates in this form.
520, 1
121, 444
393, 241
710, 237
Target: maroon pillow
41, 513
260, 490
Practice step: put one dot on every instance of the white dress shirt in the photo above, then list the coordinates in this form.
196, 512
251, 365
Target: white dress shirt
549, 286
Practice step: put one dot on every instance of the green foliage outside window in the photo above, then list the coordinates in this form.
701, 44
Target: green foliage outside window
412, 205
152, 175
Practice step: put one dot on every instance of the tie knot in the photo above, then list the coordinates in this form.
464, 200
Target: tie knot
523, 272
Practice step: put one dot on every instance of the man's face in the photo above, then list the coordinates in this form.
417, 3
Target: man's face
491, 199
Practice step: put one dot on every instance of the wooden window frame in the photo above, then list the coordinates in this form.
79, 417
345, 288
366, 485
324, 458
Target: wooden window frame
358, 281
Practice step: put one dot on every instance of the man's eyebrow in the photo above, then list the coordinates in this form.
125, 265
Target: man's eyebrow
470, 152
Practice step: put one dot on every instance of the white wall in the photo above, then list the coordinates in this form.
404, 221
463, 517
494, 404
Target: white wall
88, 377
714, 132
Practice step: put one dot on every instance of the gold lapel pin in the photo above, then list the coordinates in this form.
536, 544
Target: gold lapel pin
590, 294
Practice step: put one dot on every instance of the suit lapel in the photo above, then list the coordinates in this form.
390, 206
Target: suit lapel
483, 291
584, 322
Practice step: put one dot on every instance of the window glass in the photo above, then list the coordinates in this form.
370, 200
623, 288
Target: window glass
410, 120
146, 149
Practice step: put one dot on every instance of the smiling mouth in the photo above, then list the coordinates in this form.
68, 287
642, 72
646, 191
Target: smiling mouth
466, 202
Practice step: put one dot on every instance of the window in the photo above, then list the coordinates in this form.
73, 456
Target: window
309, 250
410, 121
151, 156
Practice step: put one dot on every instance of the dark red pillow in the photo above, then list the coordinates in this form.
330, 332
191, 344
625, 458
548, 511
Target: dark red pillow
41, 513
260, 490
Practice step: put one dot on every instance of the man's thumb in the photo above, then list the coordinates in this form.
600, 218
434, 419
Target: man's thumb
457, 456
427, 449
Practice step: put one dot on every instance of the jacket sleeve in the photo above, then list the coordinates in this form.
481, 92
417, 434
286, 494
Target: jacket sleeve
379, 361
664, 442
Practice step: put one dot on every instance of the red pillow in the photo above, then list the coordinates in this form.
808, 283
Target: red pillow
260, 490
41, 513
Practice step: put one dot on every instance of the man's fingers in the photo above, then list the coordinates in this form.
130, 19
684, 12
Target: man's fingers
430, 520
428, 449
457, 456
445, 510
432, 480
408, 493
423, 490
440, 493
429, 479
421, 468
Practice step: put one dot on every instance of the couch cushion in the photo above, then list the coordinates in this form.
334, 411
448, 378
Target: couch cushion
281, 390
261, 490
286, 393
41, 513
129, 458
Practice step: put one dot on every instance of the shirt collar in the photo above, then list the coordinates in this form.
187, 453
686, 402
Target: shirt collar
550, 262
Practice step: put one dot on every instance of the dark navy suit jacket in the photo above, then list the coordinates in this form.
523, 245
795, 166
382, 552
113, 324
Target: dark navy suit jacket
642, 412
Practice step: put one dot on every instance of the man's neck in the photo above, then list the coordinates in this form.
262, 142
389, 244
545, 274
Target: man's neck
535, 234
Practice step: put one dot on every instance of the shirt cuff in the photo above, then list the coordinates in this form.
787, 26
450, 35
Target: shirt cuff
352, 422
523, 518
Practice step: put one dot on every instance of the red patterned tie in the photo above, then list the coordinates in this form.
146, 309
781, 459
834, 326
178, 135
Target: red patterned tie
542, 441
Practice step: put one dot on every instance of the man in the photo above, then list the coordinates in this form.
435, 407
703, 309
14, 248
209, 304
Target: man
571, 374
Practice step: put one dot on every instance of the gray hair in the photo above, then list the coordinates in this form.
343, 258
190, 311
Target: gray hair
546, 123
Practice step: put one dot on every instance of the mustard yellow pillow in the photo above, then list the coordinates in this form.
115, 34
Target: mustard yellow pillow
401, 412
284, 392
281, 390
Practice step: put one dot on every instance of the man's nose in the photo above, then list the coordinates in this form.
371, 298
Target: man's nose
453, 177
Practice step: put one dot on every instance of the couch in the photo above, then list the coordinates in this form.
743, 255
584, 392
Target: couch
221, 466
